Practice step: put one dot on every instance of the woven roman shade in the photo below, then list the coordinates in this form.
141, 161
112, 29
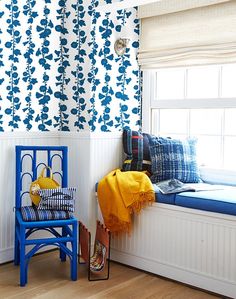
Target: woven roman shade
180, 33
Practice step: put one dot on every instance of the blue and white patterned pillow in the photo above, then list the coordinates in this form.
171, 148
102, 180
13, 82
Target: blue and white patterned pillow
60, 199
174, 159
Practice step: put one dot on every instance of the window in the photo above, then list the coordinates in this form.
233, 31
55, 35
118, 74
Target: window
198, 101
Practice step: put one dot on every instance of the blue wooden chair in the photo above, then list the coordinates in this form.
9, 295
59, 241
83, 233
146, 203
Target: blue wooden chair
63, 228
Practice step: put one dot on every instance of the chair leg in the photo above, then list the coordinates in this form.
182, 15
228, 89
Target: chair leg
62, 253
26, 272
74, 257
16, 250
23, 266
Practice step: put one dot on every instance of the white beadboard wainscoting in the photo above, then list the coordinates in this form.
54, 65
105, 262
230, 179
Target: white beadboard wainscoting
91, 156
190, 246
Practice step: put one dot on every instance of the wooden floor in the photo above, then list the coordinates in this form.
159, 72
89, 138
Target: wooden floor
49, 278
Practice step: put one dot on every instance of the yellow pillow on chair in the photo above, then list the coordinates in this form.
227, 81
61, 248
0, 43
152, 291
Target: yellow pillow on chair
42, 183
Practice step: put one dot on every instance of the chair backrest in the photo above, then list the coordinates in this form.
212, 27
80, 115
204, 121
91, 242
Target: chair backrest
29, 162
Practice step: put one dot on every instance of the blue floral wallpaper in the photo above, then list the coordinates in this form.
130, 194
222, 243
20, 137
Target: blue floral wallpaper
59, 70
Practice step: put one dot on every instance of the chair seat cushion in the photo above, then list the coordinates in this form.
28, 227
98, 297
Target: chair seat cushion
30, 213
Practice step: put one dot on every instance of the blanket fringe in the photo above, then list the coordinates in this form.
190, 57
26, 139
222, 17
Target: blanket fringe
143, 200
117, 226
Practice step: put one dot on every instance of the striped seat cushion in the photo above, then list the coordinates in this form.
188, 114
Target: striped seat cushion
30, 213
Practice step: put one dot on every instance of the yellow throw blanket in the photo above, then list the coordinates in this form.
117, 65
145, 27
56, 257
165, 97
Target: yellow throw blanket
122, 193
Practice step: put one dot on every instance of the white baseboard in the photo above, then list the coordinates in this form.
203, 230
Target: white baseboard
193, 279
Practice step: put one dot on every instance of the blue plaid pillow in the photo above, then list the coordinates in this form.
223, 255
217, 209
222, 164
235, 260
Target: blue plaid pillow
174, 159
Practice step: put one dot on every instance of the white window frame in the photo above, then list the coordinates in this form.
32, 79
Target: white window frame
150, 102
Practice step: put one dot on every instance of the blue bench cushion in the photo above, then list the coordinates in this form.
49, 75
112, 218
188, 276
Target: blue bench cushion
219, 201
164, 198
30, 213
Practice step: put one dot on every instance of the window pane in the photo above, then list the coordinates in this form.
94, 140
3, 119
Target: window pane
173, 121
155, 122
229, 153
228, 80
205, 121
170, 84
230, 121
202, 82
209, 151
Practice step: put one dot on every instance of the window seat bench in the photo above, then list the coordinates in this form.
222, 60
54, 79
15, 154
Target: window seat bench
189, 237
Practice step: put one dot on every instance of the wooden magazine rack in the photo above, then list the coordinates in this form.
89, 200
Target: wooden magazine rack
99, 263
